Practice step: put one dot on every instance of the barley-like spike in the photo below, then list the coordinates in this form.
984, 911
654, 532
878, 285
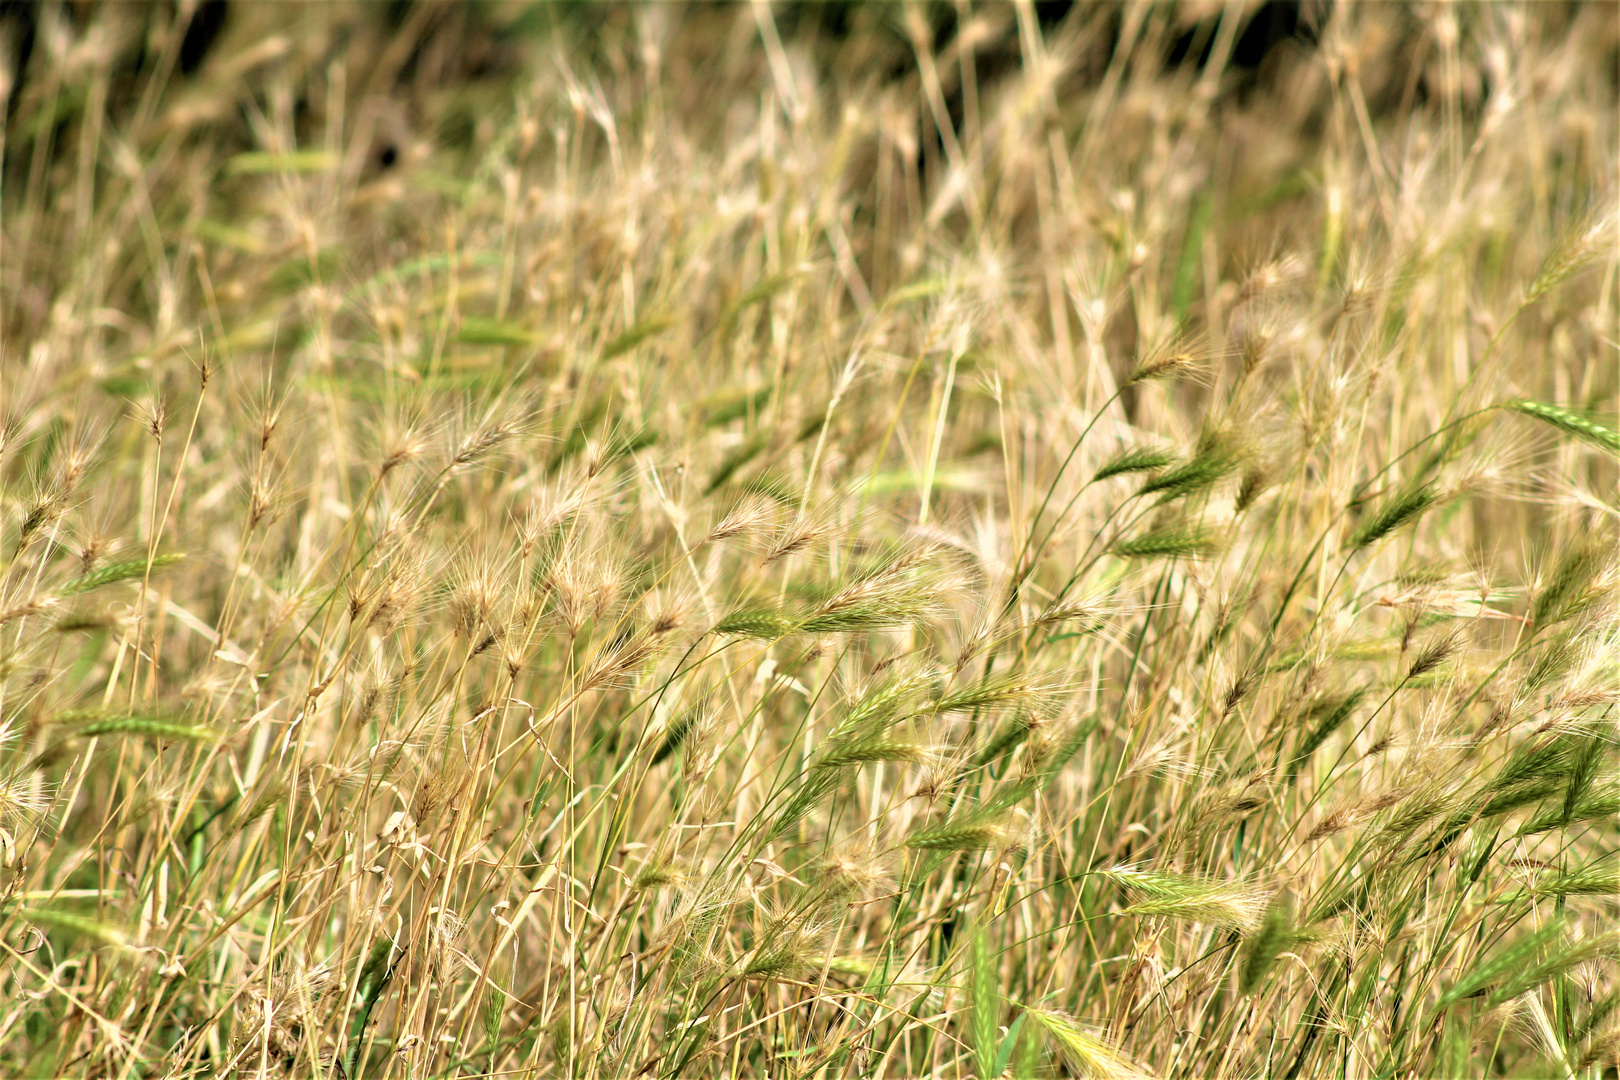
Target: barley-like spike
34, 605
729, 405
775, 488
1165, 365
1516, 957
1596, 805
1055, 756
126, 570
1552, 759
1329, 715
886, 610
817, 786
974, 831
1010, 735
679, 729
1090, 1054
268, 800
1599, 1011
1399, 511
864, 751
658, 875
1577, 248
984, 1003
635, 335
776, 963
1517, 969
765, 624
682, 522
1172, 543
881, 706
148, 727
1433, 656
1254, 483
1199, 474
1568, 589
1008, 796
1552, 663
73, 923
734, 460
1275, 936
1601, 435
1598, 878
1586, 760
1184, 896
1134, 459
989, 693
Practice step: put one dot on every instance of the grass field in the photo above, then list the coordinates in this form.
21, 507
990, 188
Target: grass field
941, 540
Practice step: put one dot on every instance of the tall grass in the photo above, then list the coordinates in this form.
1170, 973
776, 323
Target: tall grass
671, 542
